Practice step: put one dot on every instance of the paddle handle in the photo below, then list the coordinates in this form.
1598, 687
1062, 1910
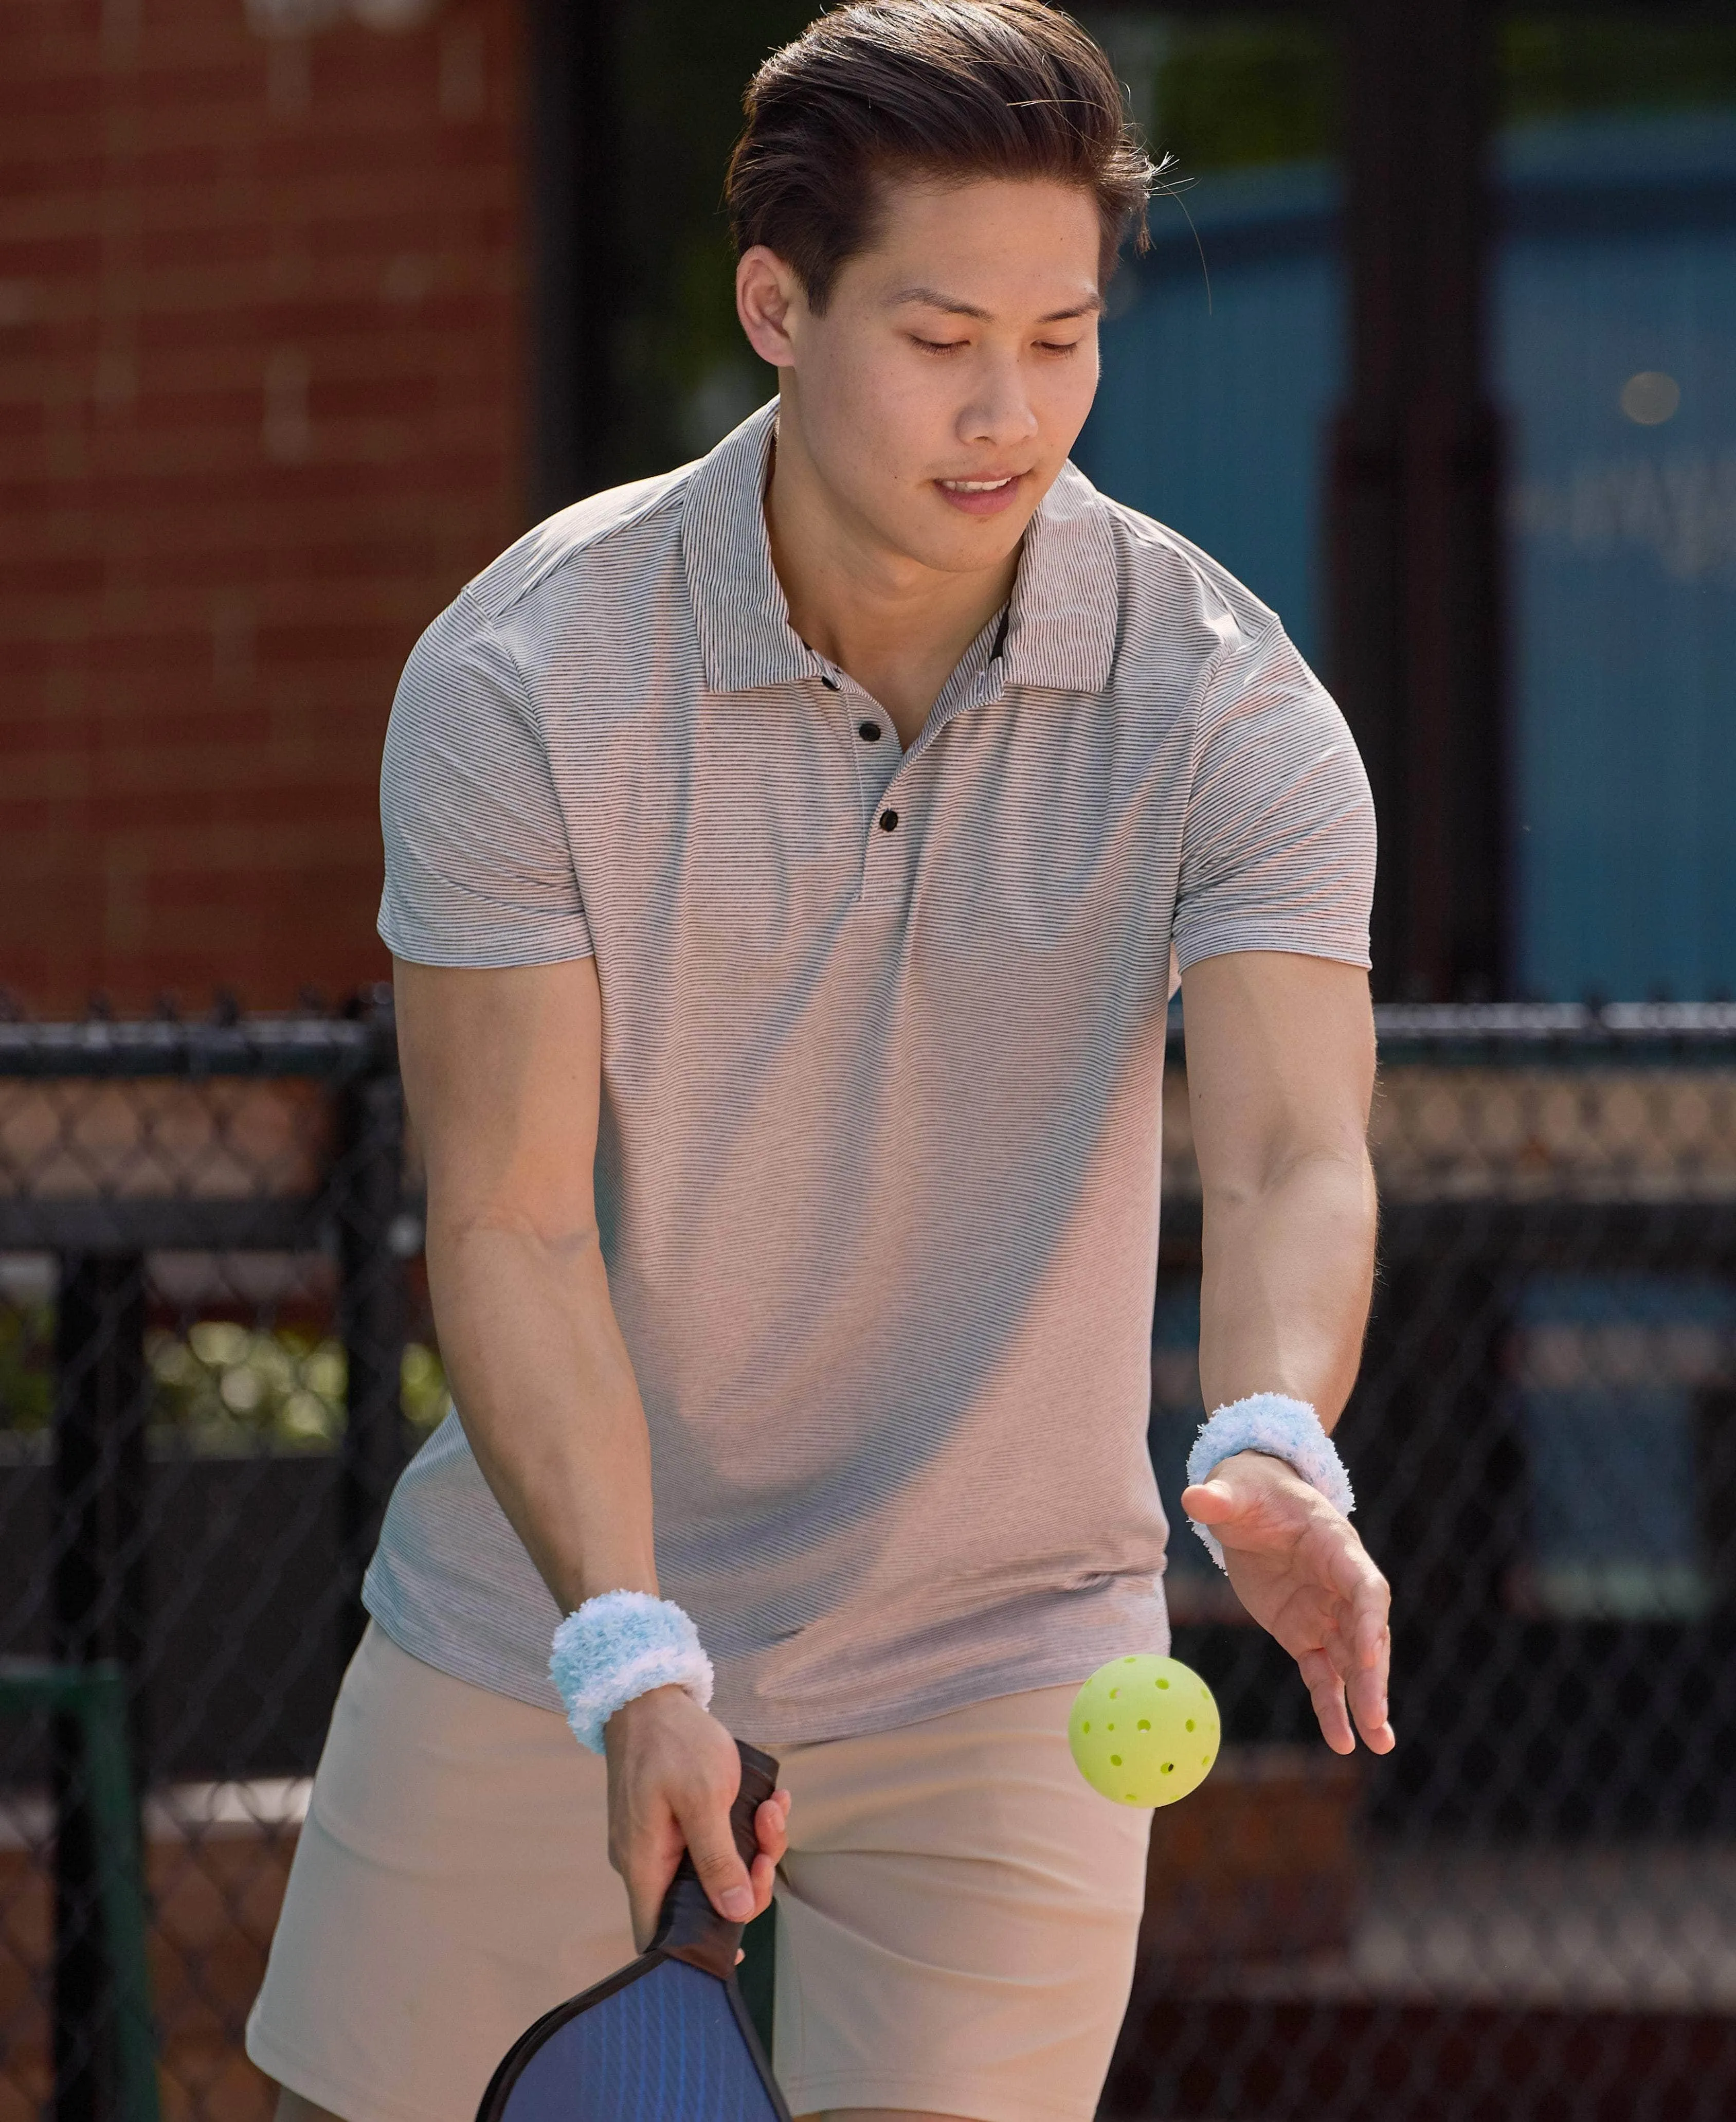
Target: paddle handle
688, 1927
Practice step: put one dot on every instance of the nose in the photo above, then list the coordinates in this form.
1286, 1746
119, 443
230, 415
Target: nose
1000, 413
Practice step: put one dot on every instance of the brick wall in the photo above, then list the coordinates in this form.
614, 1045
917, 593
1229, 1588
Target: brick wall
262, 354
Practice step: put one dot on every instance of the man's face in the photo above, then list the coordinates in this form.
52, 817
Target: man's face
939, 393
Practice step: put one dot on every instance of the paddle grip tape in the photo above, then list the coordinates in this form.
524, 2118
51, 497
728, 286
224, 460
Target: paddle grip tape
619, 1646
1283, 1428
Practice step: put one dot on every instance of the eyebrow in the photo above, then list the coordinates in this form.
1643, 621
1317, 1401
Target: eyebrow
931, 298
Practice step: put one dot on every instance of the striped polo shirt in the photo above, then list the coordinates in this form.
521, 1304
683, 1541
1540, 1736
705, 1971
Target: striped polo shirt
883, 1052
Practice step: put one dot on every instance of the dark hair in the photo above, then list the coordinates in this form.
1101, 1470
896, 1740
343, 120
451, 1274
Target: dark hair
948, 89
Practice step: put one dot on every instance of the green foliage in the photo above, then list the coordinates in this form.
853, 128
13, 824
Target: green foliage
683, 367
223, 1385
426, 1396
220, 1386
1553, 66
1234, 93
26, 1374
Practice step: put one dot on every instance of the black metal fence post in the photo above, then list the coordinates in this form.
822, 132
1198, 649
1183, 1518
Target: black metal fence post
1415, 545
373, 1311
101, 1406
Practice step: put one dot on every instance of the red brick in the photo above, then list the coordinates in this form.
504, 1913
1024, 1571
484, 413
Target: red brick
161, 210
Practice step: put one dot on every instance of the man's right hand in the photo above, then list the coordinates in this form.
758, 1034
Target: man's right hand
674, 1773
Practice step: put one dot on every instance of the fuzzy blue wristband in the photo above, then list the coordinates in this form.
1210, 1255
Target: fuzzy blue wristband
1283, 1428
619, 1646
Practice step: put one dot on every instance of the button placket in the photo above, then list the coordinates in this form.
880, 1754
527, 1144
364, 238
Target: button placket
885, 854
880, 759
877, 753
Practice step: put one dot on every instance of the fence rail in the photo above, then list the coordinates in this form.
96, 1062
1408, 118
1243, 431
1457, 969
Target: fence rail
215, 1355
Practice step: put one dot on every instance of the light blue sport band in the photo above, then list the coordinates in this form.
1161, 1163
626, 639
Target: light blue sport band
619, 1646
1283, 1428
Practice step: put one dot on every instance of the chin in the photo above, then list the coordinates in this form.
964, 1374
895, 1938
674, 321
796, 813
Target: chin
961, 548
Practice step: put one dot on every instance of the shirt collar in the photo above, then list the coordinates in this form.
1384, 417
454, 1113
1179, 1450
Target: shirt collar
1061, 627
1066, 602
745, 637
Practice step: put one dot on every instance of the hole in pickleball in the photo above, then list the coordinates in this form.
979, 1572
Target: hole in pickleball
1145, 1723
1190, 1725
1162, 1682
1113, 1692
1127, 1661
1168, 1767
1085, 1727
1115, 1760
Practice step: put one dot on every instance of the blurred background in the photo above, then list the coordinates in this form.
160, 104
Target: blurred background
307, 307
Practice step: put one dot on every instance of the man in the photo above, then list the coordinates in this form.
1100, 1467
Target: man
785, 859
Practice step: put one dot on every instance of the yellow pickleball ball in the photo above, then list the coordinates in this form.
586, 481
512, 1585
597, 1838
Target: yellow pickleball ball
1143, 1731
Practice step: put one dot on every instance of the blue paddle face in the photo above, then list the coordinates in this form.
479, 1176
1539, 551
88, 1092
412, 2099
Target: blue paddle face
665, 2047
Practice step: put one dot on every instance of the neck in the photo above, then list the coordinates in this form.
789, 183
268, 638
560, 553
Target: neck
897, 628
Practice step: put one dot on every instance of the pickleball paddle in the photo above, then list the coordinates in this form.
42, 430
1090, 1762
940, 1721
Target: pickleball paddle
667, 2039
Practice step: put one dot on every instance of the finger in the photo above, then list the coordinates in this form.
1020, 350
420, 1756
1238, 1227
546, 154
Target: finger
1369, 1629
1326, 1691
1368, 1702
1370, 1632
1353, 1647
1373, 1625
1339, 1562
772, 1825
763, 1873
1208, 1502
647, 1885
1353, 1573
721, 1872
1359, 1656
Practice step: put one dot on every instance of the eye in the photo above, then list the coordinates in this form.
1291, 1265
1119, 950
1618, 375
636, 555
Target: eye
1059, 346
939, 345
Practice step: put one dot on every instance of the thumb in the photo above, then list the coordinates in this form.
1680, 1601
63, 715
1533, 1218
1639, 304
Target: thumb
721, 1872
1208, 1502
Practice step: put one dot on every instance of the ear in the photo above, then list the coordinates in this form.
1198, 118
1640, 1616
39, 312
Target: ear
768, 301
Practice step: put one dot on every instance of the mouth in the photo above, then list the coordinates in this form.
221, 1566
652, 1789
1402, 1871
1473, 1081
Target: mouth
982, 496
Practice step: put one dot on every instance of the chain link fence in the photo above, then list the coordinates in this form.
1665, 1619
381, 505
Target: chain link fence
213, 1361
215, 1355
1528, 1910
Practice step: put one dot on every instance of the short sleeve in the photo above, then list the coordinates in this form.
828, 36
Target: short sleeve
1278, 841
478, 868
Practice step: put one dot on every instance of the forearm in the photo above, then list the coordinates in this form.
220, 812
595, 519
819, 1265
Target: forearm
545, 1389
1288, 1270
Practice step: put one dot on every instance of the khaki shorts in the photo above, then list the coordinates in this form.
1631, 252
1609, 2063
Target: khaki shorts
956, 1926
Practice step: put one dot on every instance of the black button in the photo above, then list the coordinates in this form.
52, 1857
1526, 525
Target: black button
869, 732
829, 681
888, 821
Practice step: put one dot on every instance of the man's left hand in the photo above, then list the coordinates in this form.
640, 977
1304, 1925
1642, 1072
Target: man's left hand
1300, 1569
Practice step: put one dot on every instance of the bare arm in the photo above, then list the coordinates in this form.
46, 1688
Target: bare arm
501, 1070
1281, 1071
